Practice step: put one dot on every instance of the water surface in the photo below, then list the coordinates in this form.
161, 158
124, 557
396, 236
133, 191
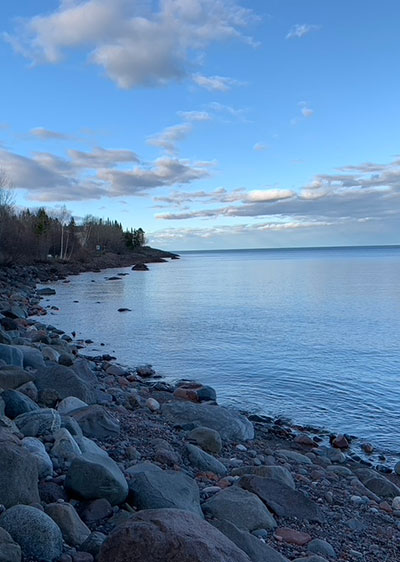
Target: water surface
312, 334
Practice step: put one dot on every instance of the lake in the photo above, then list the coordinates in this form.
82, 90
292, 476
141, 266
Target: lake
310, 334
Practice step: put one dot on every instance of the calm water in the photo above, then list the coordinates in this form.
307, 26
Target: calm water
310, 334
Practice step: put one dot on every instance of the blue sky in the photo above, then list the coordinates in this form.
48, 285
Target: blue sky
210, 123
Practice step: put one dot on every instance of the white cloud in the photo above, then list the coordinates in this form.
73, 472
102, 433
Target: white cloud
168, 138
263, 195
101, 157
215, 83
300, 30
138, 44
195, 115
46, 134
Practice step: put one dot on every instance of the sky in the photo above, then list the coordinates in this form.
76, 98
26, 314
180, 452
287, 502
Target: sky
209, 123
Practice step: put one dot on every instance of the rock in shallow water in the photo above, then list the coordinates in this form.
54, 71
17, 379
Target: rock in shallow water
34, 531
169, 535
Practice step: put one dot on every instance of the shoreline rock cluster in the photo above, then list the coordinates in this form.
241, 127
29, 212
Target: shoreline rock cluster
103, 462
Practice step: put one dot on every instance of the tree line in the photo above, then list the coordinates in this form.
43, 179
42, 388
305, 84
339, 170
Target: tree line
27, 236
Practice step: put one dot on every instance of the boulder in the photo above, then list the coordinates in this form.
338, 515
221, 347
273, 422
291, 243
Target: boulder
38, 422
17, 403
32, 357
10, 551
240, 507
38, 450
377, 483
169, 535
275, 472
13, 377
45, 291
36, 533
281, 499
195, 392
321, 547
93, 543
156, 489
18, 475
67, 382
203, 461
230, 424
69, 404
96, 422
65, 448
294, 456
73, 529
256, 550
208, 439
93, 476
11, 355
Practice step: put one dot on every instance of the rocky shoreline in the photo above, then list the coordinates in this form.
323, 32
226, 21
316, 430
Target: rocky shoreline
103, 462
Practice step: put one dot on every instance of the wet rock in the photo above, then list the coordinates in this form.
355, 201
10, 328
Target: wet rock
195, 392
145, 371
45, 291
18, 475
35, 532
340, 442
73, 529
140, 267
208, 439
92, 476
240, 507
154, 489
203, 461
229, 424
167, 535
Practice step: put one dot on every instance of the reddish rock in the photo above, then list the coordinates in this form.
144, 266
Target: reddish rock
367, 448
384, 506
305, 440
340, 442
292, 536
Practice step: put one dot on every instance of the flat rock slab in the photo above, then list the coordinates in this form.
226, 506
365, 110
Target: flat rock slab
240, 507
258, 551
281, 499
292, 536
156, 489
377, 483
169, 535
231, 425
294, 456
96, 422
276, 472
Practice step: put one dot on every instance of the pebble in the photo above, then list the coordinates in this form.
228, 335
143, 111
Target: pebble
292, 536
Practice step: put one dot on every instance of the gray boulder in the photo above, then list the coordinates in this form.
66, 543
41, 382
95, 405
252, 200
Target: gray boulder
69, 404
17, 403
208, 439
32, 357
275, 472
35, 532
73, 529
38, 450
10, 551
13, 377
11, 355
93, 476
93, 543
230, 424
281, 499
155, 489
240, 507
96, 422
65, 448
294, 456
169, 535
18, 475
44, 291
377, 483
38, 422
203, 461
319, 546
255, 549
66, 381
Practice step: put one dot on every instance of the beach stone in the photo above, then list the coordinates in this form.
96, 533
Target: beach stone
70, 404
204, 462
92, 476
208, 439
319, 546
72, 426
169, 535
12, 356
18, 475
377, 483
38, 422
50, 353
45, 291
32, 357
155, 489
35, 532
96, 422
29, 389
294, 456
292, 536
281, 499
67, 382
340, 442
17, 403
195, 392
231, 425
93, 543
51, 492
396, 503
240, 507
312, 558
38, 450
10, 551
153, 405
73, 529
275, 472
12, 377
96, 511
65, 448
257, 551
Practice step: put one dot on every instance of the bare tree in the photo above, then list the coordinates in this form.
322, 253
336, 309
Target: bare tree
6, 195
